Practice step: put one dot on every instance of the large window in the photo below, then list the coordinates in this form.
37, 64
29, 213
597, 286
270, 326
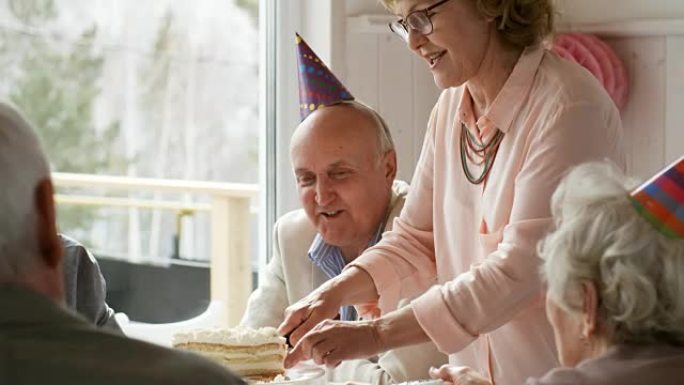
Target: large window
148, 91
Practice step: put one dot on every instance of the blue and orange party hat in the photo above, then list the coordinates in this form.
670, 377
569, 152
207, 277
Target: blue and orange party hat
661, 200
318, 87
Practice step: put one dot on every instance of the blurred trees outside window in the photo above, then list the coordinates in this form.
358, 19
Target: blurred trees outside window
158, 89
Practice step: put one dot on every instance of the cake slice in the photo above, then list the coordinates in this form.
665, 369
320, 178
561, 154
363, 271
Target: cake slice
256, 354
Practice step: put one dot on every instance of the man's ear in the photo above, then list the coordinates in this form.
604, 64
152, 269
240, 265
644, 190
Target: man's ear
49, 245
590, 309
389, 164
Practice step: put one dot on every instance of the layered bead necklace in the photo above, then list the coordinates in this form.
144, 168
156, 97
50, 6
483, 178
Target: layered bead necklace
478, 153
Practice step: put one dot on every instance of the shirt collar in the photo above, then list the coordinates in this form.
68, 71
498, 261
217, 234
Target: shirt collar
320, 250
508, 101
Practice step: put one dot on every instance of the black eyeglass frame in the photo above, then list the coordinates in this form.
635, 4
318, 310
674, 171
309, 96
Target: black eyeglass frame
401, 26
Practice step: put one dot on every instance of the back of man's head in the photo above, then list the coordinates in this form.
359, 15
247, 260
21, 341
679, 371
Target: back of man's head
23, 167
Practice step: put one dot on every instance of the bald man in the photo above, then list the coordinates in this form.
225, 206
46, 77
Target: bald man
344, 162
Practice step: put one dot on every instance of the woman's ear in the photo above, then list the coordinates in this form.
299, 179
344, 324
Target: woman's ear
590, 309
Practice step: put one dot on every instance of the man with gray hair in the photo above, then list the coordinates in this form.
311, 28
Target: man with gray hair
40, 341
344, 162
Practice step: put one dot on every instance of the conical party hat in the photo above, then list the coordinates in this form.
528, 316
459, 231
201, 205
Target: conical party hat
318, 86
661, 200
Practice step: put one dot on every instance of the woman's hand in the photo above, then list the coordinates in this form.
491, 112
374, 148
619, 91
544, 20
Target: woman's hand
458, 375
332, 342
306, 313
354, 285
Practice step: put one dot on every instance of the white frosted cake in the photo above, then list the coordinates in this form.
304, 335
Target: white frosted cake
256, 354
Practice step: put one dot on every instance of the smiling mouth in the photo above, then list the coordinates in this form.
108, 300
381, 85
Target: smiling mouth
435, 58
330, 214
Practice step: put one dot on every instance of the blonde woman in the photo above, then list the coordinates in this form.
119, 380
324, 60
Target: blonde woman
512, 119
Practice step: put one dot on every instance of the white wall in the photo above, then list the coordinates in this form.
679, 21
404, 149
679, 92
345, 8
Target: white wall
361, 7
602, 11
653, 118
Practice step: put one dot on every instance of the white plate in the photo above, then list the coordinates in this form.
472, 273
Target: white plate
304, 373
422, 382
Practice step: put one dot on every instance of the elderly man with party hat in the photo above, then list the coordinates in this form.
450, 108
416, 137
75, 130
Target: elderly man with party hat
345, 165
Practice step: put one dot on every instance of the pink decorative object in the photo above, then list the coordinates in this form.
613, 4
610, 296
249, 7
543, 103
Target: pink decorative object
598, 58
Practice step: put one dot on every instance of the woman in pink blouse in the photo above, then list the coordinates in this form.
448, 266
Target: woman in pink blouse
512, 119
615, 284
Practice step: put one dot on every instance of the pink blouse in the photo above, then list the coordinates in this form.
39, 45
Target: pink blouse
473, 247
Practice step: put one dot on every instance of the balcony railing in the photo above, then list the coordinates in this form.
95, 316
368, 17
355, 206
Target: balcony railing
228, 208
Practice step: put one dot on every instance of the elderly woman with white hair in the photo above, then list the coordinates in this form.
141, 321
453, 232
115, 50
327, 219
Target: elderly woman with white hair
615, 274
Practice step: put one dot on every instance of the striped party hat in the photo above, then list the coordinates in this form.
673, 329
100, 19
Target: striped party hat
661, 200
318, 86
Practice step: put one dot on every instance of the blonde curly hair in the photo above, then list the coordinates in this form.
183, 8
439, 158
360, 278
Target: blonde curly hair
521, 23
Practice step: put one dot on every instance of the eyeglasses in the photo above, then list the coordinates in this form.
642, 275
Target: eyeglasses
419, 21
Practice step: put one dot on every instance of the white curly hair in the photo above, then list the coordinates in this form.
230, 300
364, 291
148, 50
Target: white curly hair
600, 238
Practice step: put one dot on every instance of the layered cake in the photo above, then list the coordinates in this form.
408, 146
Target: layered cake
256, 354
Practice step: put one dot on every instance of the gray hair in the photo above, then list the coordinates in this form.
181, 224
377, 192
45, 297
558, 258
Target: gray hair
22, 167
382, 131
600, 238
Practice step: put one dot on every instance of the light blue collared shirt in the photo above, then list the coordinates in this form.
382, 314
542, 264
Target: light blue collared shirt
329, 259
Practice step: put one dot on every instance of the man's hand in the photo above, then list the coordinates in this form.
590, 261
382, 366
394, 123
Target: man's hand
458, 375
332, 342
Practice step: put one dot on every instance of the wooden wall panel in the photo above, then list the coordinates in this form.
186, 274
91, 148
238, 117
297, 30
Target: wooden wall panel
362, 67
674, 97
395, 101
644, 115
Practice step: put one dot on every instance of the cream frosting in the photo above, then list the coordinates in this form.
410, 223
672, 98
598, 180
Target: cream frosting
237, 336
240, 367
